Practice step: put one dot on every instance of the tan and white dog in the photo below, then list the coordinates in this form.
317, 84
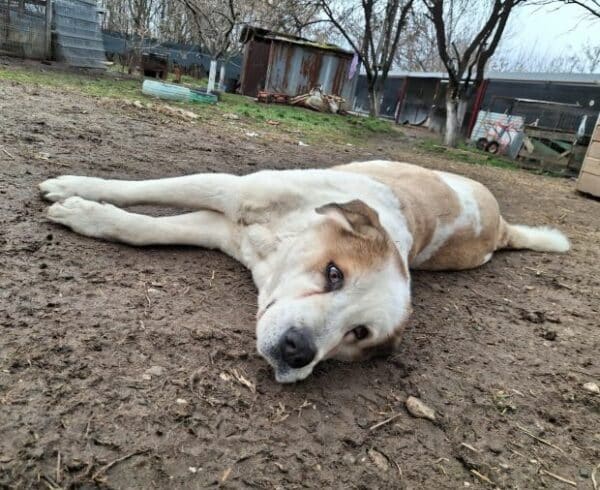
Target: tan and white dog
329, 250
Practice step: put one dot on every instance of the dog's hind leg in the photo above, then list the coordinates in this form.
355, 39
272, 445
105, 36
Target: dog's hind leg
201, 191
208, 229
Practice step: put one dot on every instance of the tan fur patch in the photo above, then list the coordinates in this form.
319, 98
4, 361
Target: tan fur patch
428, 202
425, 198
363, 247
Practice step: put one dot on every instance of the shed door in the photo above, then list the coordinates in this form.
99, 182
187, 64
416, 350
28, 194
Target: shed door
256, 61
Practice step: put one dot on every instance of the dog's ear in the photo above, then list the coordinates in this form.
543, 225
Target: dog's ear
355, 217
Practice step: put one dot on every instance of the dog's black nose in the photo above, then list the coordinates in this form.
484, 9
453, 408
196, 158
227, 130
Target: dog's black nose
297, 347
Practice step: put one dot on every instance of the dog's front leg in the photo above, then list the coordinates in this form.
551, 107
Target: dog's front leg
218, 192
208, 229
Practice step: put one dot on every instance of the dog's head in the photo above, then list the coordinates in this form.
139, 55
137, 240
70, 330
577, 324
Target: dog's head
340, 290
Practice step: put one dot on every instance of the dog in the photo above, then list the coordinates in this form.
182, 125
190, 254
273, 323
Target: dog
329, 250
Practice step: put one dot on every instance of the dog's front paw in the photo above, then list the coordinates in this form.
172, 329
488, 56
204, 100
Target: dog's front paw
87, 218
61, 188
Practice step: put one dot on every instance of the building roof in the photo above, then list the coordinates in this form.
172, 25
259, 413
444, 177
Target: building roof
569, 78
251, 32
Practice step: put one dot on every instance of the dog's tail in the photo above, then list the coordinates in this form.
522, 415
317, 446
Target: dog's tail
539, 238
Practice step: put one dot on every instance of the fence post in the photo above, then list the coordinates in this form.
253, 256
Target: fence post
48, 37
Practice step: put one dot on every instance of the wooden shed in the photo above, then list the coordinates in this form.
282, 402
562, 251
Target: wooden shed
589, 177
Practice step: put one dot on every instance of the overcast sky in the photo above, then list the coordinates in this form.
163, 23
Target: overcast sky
551, 30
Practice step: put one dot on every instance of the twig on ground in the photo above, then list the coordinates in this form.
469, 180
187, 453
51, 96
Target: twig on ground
384, 422
226, 474
469, 447
108, 466
7, 152
557, 477
58, 467
594, 481
539, 439
482, 477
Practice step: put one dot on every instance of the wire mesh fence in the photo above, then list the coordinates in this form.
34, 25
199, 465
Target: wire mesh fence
23, 28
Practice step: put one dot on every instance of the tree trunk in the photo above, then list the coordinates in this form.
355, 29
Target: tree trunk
374, 100
212, 74
452, 126
222, 76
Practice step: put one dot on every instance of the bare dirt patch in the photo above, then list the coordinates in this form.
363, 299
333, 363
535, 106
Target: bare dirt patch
136, 368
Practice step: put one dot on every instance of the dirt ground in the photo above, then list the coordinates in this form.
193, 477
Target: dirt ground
136, 368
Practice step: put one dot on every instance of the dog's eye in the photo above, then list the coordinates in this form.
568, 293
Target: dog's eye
335, 278
361, 332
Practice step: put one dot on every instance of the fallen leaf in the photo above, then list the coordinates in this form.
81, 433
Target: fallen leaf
418, 409
379, 459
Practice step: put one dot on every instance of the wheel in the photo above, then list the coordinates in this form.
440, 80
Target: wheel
482, 144
493, 147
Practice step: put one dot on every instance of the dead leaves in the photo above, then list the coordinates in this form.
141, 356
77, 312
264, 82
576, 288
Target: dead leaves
235, 375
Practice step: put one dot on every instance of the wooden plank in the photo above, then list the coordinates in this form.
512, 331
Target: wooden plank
551, 135
591, 166
594, 149
589, 183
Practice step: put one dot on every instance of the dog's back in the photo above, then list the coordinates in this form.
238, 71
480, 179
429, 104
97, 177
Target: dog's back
455, 221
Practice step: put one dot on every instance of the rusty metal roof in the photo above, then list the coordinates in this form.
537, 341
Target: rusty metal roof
258, 33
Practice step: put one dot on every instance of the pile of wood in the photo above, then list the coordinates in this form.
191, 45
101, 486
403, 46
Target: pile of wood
316, 100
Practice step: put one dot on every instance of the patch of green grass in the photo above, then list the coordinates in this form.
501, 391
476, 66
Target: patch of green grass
313, 125
298, 123
470, 154
99, 86
466, 154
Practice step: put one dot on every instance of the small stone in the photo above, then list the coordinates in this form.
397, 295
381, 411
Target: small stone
534, 316
418, 409
495, 447
591, 387
349, 459
146, 377
155, 371
181, 401
584, 473
193, 469
549, 335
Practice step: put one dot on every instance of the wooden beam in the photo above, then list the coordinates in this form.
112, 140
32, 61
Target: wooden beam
550, 134
48, 35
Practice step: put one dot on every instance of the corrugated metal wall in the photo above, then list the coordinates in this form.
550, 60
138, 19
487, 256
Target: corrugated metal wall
23, 29
78, 39
295, 69
506, 130
389, 100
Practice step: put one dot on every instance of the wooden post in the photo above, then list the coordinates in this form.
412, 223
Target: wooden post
48, 38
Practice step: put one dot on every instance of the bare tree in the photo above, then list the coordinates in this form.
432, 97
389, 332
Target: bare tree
466, 64
592, 7
297, 17
217, 27
417, 49
373, 29
530, 59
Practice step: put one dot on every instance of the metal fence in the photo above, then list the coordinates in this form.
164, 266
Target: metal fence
78, 38
24, 29
190, 58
